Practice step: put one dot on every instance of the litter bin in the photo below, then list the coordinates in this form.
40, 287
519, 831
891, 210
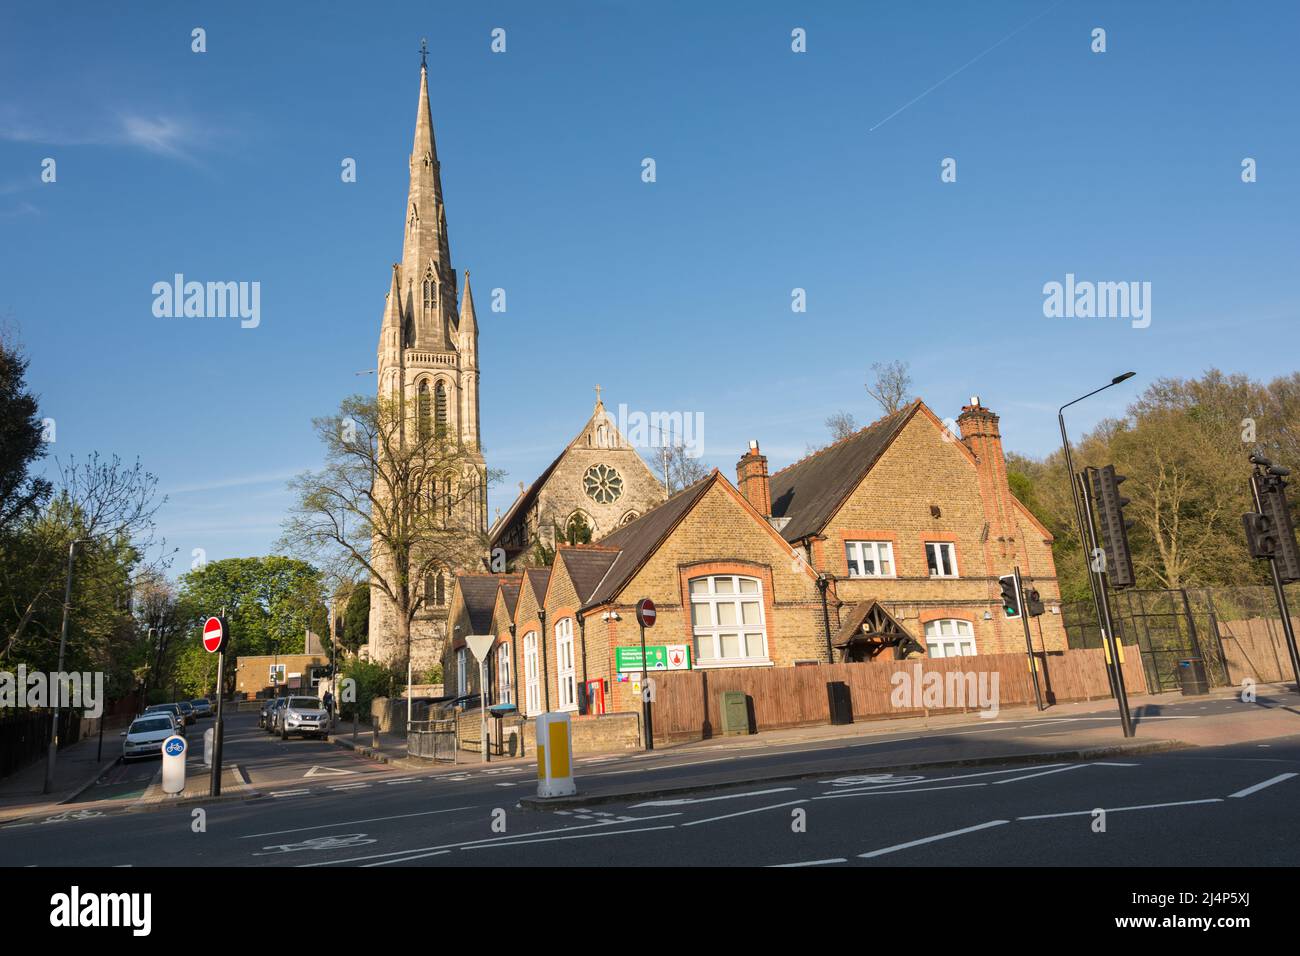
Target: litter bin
735, 712
1191, 677
839, 702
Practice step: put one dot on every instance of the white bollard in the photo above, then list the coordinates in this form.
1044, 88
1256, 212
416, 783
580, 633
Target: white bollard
554, 743
173, 764
209, 737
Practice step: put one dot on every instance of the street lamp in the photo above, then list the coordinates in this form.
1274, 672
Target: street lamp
63, 642
1098, 597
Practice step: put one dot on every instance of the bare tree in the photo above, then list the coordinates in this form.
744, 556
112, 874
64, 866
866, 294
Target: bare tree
891, 385
841, 425
395, 502
676, 466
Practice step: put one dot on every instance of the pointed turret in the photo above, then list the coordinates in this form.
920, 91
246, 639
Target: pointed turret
468, 319
467, 344
426, 254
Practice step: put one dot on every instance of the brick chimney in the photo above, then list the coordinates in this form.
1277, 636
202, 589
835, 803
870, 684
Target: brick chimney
979, 432
752, 480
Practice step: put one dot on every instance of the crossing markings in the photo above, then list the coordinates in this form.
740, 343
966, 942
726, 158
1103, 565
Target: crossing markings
932, 839
1260, 786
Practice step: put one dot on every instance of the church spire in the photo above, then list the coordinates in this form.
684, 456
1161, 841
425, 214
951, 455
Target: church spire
468, 318
426, 256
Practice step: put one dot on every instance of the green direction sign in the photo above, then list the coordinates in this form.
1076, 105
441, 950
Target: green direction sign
658, 658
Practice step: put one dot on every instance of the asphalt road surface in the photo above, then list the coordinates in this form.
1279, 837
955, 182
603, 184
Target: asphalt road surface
323, 806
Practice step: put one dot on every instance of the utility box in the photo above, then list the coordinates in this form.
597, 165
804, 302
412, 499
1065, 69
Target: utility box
839, 702
1191, 677
735, 712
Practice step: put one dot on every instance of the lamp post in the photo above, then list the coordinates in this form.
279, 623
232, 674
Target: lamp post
63, 643
1097, 586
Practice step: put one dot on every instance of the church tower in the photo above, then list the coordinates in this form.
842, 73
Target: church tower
428, 361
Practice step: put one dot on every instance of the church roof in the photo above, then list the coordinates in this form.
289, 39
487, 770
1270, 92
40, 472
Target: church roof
639, 538
811, 490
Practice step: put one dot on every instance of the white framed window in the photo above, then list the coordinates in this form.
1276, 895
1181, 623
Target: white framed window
869, 559
727, 620
504, 693
949, 638
532, 686
941, 556
565, 676
462, 675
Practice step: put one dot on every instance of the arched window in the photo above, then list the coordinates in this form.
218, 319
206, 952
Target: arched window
629, 517
505, 694
423, 411
532, 686
430, 292
440, 411
949, 637
447, 498
565, 676
440, 589
728, 621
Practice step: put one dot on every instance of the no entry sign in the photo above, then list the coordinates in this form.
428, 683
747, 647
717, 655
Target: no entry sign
214, 635
645, 612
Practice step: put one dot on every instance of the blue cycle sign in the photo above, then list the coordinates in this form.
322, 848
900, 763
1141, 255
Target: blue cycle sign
174, 746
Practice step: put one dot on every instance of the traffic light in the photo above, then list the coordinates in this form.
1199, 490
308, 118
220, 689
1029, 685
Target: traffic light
1114, 526
1273, 504
1010, 600
1261, 539
1033, 603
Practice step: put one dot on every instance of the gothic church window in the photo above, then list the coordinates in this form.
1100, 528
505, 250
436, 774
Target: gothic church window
423, 408
440, 411
430, 292
603, 484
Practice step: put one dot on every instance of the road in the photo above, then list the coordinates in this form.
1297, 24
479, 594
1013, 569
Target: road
321, 805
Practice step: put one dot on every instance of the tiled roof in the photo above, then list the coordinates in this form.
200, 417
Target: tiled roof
478, 592
587, 567
809, 491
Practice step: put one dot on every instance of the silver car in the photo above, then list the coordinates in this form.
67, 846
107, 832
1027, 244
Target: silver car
302, 715
145, 736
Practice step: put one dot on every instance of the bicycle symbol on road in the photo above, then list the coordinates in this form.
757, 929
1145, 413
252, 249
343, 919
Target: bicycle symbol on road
73, 815
336, 842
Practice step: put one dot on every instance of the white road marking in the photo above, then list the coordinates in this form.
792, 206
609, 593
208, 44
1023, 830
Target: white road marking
838, 859
288, 793
666, 766
1260, 786
349, 823
890, 793
322, 771
681, 801
406, 859
576, 836
932, 839
1041, 773
1144, 806
351, 786
741, 813
464, 843
960, 776
506, 783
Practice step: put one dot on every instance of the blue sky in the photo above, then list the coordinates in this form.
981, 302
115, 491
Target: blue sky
1121, 166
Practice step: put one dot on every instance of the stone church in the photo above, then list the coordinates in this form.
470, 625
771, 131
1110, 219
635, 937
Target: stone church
428, 360
597, 484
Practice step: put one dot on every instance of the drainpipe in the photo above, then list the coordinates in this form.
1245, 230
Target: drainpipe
822, 584
582, 636
546, 683
514, 666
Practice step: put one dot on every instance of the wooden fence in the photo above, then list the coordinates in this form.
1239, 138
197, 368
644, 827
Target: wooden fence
687, 702
1256, 648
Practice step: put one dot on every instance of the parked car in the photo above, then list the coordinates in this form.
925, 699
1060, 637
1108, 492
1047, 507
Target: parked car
302, 715
264, 715
273, 714
202, 707
187, 711
145, 736
171, 709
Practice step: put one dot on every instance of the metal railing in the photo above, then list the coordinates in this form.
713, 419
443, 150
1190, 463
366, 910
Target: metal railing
433, 740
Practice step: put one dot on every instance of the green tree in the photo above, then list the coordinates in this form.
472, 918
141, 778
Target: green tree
356, 619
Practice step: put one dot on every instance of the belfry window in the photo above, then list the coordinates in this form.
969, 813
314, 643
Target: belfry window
440, 411
430, 292
423, 409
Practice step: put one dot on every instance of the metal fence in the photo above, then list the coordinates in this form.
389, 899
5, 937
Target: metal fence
25, 735
1167, 626
432, 739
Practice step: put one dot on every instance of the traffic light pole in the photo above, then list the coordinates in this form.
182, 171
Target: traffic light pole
1112, 645
1287, 630
1029, 644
